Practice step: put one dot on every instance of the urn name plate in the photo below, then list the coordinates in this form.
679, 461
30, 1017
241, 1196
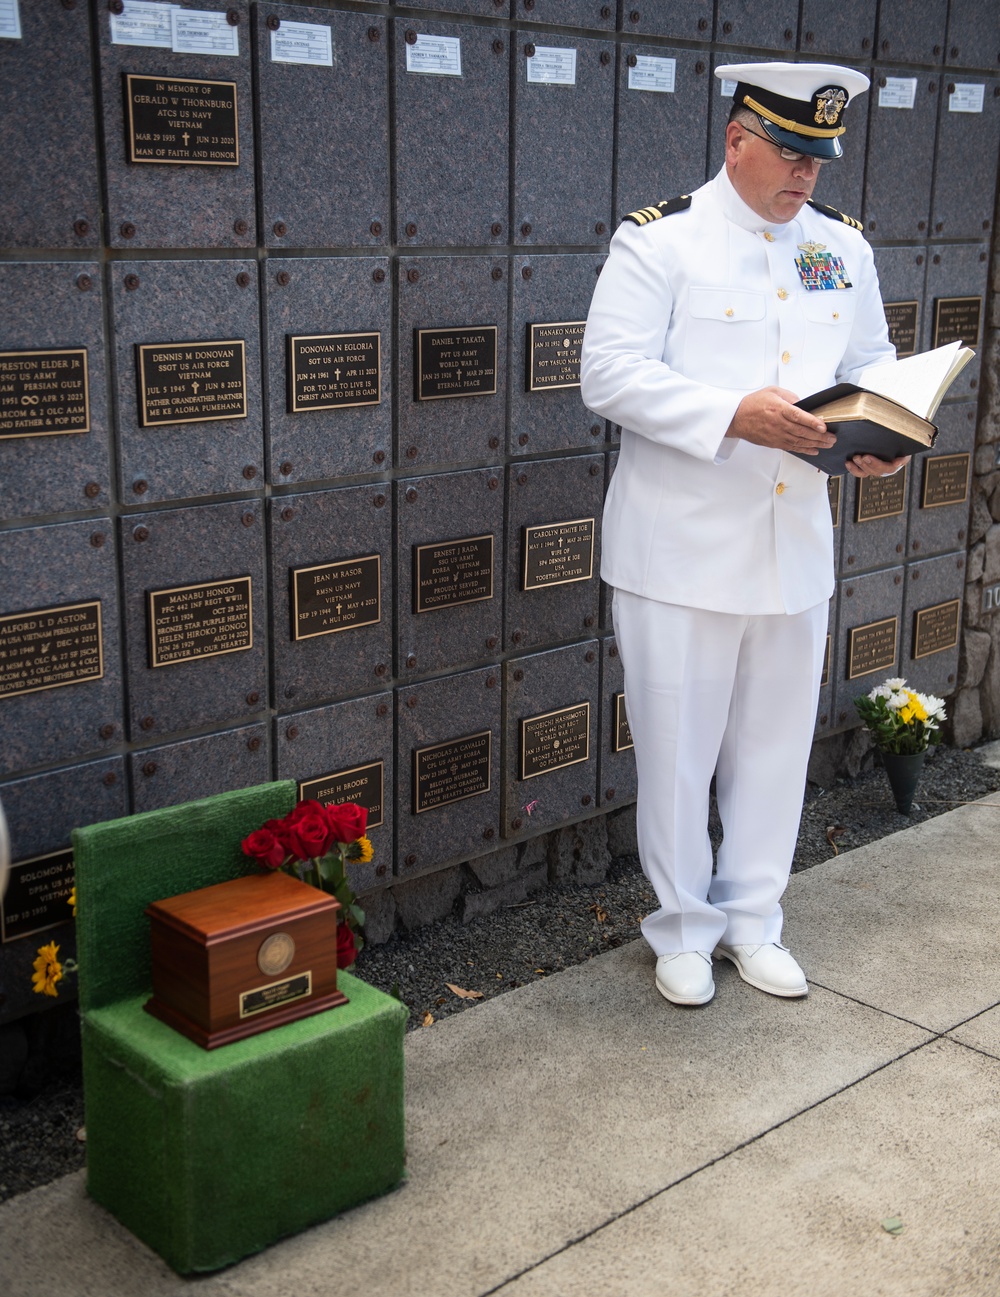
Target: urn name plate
452, 771
558, 553
936, 629
191, 382
623, 733
872, 647
901, 318
243, 956
881, 497
43, 393
957, 319
37, 895
555, 739
455, 362
833, 490
181, 121
200, 621
364, 785
452, 572
946, 480
335, 371
554, 355
50, 647
337, 596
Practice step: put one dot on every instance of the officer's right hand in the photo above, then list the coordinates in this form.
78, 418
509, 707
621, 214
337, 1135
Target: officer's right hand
770, 417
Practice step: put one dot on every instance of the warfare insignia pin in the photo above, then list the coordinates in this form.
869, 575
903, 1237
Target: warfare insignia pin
812, 248
829, 105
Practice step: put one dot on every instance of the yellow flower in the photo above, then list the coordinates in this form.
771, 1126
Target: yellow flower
48, 970
366, 850
914, 709
71, 900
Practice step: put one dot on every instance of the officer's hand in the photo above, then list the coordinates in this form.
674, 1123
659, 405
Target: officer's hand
771, 418
869, 466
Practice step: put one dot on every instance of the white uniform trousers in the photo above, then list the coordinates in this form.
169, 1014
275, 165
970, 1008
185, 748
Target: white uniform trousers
712, 692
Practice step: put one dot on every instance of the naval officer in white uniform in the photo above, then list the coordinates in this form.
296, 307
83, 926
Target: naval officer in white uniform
713, 314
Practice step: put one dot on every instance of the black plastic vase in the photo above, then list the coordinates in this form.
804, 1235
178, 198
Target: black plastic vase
904, 775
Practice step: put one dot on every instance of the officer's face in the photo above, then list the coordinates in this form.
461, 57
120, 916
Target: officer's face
775, 189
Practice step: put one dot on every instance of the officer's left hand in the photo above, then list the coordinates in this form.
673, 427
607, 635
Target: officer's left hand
869, 466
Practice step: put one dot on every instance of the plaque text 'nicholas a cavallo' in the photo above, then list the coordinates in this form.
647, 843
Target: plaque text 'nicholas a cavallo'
181, 122
946, 480
454, 362
364, 785
553, 354
452, 572
338, 596
558, 553
200, 621
555, 739
191, 382
872, 647
450, 772
50, 647
881, 497
37, 895
333, 371
936, 629
43, 393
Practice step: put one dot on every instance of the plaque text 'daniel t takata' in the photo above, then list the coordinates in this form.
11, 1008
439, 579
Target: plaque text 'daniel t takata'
555, 739
178, 121
454, 362
449, 772
200, 621
43, 393
50, 647
191, 382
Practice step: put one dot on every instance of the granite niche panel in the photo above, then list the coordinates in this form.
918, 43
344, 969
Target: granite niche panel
846, 32
444, 194
344, 753
566, 13
188, 201
901, 124
475, 8
551, 298
176, 302
205, 630
957, 277
449, 570
973, 34
965, 164
85, 793
616, 776
901, 275
932, 623
331, 593
660, 125
324, 173
47, 106
450, 408
447, 769
323, 420
553, 550
767, 24
551, 715
689, 20
873, 520
60, 678
870, 639
912, 31
562, 163
54, 307
939, 500
215, 763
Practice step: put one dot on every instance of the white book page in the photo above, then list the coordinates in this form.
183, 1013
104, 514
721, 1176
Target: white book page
914, 381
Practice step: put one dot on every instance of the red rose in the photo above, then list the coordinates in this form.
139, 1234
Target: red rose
303, 809
347, 951
308, 837
347, 822
265, 848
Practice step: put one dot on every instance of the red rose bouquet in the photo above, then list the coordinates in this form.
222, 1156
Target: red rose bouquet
315, 843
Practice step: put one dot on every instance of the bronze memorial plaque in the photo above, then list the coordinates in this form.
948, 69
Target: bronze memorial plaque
275, 993
454, 362
452, 572
872, 647
957, 319
44, 393
936, 629
946, 480
555, 739
449, 772
200, 621
881, 497
180, 121
334, 371
901, 318
558, 553
553, 355
50, 647
37, 895
824, 678
623, 734
191, 382
833, 489
364, 785
331, 597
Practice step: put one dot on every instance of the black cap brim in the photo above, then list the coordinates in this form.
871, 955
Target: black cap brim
812, 148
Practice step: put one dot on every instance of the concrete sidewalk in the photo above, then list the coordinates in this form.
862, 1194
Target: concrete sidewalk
582, 1136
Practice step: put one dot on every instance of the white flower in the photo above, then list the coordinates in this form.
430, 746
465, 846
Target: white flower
896, 702
934, 707
895, 683
880, 691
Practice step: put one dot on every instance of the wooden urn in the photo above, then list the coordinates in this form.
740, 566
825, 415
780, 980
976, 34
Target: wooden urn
243, 956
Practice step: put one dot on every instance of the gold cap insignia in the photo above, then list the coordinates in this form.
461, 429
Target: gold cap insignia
829, 105
814, 249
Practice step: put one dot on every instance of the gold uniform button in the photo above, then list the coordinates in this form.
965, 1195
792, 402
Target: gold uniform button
780, 488
786, 357
836, 315
769, 236
783, 293
729, 311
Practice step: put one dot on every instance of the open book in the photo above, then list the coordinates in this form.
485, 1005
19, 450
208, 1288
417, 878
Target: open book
890, 411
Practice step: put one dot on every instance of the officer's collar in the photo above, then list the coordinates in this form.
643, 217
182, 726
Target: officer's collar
740, 213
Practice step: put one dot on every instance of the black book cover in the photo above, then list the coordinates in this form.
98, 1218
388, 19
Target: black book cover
856, 436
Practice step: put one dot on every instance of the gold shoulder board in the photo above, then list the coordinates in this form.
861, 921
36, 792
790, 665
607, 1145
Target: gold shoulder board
668, 207
832, 214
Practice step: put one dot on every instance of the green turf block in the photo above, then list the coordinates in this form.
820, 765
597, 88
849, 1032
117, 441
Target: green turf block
208, 1156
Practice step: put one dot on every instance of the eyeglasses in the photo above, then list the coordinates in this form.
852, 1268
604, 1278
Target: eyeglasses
789, 155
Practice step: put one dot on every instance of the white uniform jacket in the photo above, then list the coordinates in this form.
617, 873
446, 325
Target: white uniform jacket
691, 313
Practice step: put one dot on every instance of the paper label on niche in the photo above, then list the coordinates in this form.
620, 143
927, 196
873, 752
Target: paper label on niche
202, 31
142, 22
967, 98
438, 56
302, 43
652, 73
10, 20
552, 66
898, 92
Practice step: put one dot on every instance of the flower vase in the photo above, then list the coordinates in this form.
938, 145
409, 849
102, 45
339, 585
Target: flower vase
904, 775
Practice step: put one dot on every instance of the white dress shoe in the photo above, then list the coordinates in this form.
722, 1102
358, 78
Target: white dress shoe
685, 977
769, 967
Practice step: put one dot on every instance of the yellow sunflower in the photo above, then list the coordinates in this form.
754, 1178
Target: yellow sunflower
366, 849
48, 970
